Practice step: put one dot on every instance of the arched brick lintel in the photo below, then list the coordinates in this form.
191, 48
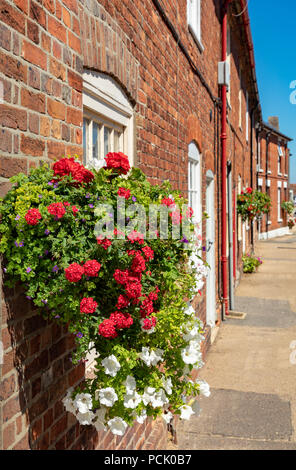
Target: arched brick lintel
105, 49
194, 132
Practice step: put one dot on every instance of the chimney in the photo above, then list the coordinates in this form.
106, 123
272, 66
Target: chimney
274, 122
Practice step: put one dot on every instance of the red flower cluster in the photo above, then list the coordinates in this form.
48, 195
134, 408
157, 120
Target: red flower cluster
57, 209
107, 329
117, 321
68, 166
146, 307
167, 201
88, 305
121, 277
74, 210
148, 253
118, 161
104, 242
249, 190
176, 217
149, 323
138, 264
123, 192
91, 268
122, 302
33, 216
74, 272
189, 212
135, 236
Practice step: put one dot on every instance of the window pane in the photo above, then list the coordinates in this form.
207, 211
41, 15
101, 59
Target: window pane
106, 140
95, 154
116, 141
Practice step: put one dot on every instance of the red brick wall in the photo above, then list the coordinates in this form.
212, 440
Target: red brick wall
44, 46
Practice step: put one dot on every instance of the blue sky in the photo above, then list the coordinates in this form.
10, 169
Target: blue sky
273, 25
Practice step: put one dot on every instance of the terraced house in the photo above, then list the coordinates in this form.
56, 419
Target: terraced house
173, 86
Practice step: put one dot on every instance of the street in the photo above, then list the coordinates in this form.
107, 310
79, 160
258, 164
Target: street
251, 367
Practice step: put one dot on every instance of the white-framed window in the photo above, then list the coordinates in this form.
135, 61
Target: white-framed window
194, 183
280, 154
247, 116
279, 205
239, 217
108, 123
194, 20
240, 99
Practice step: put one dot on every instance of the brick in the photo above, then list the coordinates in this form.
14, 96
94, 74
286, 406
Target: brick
34, 123
8, 362
8, 435
76, 375
58, 428
34, 79
22, 5
57, 69
38, 407
12, 166
45, 126
12, 68
38, 14
56, 109
56, 129
33, 101
7, 387
34, 55
36, 429
12, 17
43, 443
33, 147
33, 31
74, 42
57, 29
46, 83
5, 37
5, 141
57, 50
36, 366
66, 17
72, 5
75, 81
47, 419
49, 5
11, 408
23, 443
74, 116
46, 42
55, 150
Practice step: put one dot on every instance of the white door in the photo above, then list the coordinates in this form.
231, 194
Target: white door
210, 247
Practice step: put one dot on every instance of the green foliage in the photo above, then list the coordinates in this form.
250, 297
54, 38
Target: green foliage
253, 204
288, 206
251, 263
37, 255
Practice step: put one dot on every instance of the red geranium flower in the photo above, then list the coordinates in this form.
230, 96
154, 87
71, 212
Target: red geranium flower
121, 320
176, 217
148, 252
118, 161
33, 216
138, 264
91, 268
122, 302
74, 272
107, 329
133, 290
68, 166
135, 236
74, 210
249, 190
123, 192
105, 243
167, 201
57, 209
121, 277
88, 305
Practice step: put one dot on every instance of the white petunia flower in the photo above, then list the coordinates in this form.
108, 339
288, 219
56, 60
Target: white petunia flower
191, 355
142, 417
108, 396
99, 419
117, 426
132, 400
151, 358
147, 395
159, 399
167, 385
192, 333
203, 387
186, 412
189, 310
111, 365
83, 402
130, 384
168, 416
68, 402
85, 418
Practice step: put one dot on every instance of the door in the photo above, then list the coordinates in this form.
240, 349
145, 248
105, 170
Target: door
210, 237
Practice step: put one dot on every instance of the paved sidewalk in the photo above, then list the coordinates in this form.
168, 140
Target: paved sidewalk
253, 381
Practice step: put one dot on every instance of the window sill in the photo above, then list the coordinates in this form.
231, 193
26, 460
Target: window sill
286, 176
280, 221
280, 174
261, 170
269, 172
269, 222
196, 39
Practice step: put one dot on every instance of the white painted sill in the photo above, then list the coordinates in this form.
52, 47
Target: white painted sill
196, 39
